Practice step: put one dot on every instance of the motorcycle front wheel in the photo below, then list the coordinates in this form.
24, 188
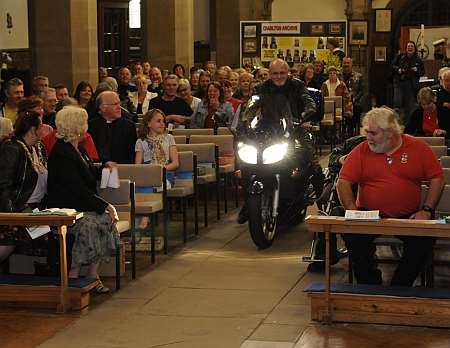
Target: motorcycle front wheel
261, 219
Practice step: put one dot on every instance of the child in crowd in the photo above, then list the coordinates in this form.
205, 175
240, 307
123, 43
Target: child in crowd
156, 146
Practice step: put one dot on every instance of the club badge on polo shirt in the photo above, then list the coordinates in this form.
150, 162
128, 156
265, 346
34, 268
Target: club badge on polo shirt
404, 158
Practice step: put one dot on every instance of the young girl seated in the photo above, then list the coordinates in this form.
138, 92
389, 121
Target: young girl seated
156, 146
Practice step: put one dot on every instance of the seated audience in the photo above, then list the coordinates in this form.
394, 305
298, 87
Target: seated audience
335, 87
203, 82
72, 183
6, 129
308, 77
114, 136
428, 120
141, 98
262, 74
14, 93
146, 69
213, 110
155, 145
177, 111
244, 91
195, 75
233, 77
319, 74
124, 83
178, 69
389, 169
40, 84
228, 93
50, 101
34, 104
184, 92
61, 92
83, 94
156, 85
22, 167
221, 75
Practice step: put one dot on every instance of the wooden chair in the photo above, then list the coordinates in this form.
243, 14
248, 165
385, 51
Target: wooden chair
208, 160
227, 161
433, 141
445, 161
439, 151
148, 178
122, 199
180, 139
194, 131
224, 131
185, 187
328, 123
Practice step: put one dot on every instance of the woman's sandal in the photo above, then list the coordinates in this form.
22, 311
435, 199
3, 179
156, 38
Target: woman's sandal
100, 288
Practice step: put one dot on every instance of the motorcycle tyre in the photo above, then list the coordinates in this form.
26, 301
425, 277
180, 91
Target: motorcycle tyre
255, 222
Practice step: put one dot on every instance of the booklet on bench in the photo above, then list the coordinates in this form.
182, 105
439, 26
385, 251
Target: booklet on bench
362, 215
55, 211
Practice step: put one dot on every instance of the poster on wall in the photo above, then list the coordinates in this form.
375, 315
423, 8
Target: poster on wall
13, 24
296, 43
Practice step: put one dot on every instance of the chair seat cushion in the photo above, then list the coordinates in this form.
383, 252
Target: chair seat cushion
180, 191
143, 208
226, 168
207, 178
122, 226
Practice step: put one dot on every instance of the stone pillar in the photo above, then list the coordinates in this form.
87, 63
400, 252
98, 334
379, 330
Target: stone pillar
169, 32
64, 40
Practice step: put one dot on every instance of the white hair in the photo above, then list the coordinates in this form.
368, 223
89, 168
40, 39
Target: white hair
385, 118
71, 123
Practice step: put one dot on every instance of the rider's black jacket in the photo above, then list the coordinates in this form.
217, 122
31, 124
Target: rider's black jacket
302, 105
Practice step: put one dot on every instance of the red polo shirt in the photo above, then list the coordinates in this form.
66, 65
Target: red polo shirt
391, 184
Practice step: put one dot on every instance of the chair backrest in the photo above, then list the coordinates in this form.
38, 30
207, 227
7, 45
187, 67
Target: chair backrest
186, 161
446, 175
144, 175
224, 142
224, 131
206, 153
180, 139
439, 151
329, 111
443, 205
195, 131
445, 161
433, 141
120, 198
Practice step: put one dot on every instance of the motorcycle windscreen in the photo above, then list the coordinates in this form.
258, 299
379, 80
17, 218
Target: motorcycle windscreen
269, 114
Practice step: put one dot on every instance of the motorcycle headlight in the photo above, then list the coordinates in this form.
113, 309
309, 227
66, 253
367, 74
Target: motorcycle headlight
247, 153
274, 153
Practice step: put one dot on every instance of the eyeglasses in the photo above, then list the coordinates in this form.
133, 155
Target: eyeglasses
111, 104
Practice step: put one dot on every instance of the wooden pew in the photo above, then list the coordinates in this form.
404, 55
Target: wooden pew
45, 291
375, 304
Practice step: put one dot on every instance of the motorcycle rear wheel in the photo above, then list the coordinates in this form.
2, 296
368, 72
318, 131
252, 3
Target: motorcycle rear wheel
261, 221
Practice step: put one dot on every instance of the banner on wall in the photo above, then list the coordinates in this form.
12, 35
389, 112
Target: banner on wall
280, 28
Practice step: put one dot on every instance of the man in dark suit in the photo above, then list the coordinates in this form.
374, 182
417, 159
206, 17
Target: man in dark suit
114, 136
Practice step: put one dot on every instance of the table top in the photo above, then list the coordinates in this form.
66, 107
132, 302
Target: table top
28, 219
398, 227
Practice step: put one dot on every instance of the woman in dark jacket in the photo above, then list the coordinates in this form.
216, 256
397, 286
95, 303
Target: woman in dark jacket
72, 183
428, 120
22, 163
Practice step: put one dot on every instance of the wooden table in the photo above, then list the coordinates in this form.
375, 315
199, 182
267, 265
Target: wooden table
391, 227
61, 222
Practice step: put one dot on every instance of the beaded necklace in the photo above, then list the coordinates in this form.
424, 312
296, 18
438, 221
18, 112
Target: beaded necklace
38, 165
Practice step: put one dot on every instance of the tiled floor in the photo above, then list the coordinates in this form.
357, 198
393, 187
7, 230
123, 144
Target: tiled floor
219, 291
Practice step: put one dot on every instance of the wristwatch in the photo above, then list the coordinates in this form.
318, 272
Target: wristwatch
428, 209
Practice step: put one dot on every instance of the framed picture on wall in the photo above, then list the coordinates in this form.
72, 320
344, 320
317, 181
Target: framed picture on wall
380, 54
250, 31
249, 46
317, 29
358, 33
334, 28
383, 20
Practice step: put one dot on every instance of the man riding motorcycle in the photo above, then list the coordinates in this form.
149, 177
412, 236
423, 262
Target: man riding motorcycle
303, 110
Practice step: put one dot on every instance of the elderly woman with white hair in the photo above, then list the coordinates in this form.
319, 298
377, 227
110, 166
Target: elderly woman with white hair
72, 182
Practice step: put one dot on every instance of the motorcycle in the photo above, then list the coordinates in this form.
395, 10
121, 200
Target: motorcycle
276, 166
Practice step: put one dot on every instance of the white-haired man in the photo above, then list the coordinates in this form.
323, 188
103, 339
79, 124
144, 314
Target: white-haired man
389, 168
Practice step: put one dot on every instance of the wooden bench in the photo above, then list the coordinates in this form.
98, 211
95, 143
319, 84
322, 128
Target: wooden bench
346, 302
42, 290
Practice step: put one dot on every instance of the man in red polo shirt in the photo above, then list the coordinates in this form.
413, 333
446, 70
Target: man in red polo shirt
389, 168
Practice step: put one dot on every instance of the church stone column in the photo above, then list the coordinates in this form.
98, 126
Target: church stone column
63, 36
168, 32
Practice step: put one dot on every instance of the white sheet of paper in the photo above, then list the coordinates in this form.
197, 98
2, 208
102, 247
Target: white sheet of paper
367, 215
37, 231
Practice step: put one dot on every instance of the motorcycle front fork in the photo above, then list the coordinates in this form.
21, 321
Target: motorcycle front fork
257, 187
